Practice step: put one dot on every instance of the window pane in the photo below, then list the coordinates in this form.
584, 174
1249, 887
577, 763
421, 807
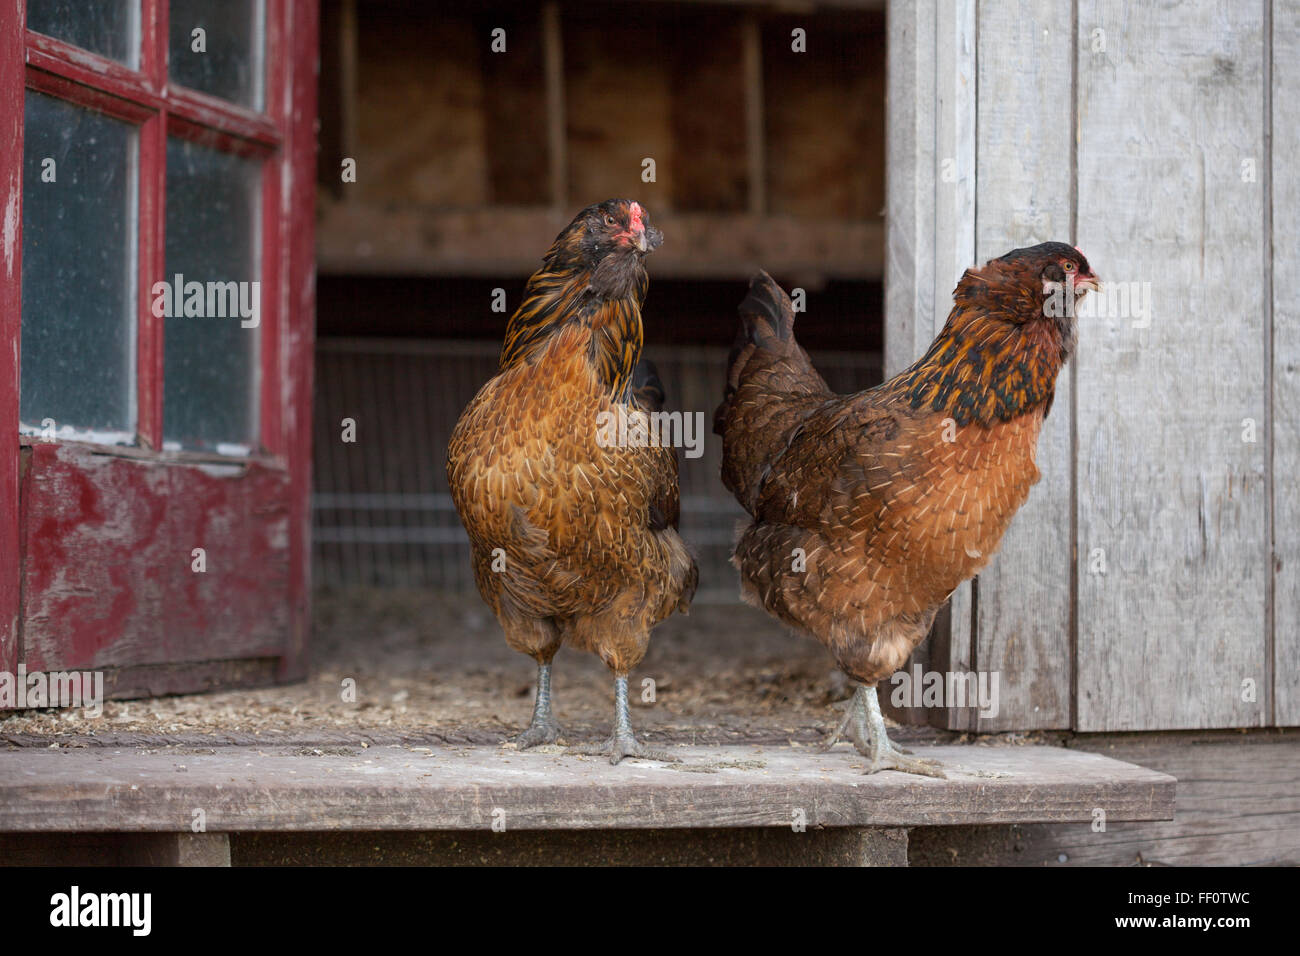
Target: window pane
107, 27
210, 354
230, 63
78, 323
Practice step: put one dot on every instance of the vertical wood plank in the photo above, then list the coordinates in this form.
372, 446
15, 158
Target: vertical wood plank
1170, 104
1285, 183
930, 228
1024, 175
909, 188
556, 132
150, 230
299, 270
347, 91
953, 236
755, 138
11, 243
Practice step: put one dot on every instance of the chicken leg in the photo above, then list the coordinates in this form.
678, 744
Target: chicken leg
543, 729
864, 726
622, 743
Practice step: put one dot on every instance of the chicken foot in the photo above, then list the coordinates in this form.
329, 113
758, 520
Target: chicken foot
544, 729
853, 727
864, 726
622, 743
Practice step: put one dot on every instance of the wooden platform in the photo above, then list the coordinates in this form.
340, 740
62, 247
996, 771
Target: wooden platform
244, 790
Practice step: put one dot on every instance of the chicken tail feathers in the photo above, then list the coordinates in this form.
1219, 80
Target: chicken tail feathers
766, 322
771, 387
766, 312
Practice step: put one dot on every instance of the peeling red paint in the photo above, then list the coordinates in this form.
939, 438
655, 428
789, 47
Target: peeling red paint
106, 560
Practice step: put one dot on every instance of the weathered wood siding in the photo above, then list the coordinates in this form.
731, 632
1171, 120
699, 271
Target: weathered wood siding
1168, 488
1141, 133
1023, 172
1285, 180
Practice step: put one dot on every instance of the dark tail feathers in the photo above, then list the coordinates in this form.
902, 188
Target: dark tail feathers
766, 319
766, 312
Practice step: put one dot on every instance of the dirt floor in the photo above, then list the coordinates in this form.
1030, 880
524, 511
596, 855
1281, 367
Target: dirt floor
434, 668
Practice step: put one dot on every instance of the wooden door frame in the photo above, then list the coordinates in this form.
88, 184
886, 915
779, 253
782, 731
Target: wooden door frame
282, 134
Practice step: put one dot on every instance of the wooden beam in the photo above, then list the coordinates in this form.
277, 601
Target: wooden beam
738, 846
359, 238
1238, 805
116, 849
755, 137
348, 76
556, 124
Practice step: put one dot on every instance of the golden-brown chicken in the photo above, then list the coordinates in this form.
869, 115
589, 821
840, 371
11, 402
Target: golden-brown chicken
573, 537
869, 509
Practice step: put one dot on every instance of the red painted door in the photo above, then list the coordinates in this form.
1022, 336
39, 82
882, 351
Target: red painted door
157, 170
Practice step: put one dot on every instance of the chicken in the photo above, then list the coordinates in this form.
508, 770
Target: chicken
573, 537
868, 510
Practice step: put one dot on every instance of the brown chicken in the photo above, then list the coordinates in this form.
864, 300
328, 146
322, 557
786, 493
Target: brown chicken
573, 536
868, 510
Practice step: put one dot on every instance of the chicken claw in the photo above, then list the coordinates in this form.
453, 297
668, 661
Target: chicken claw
894, 760
885, 755
622, 743
544, 729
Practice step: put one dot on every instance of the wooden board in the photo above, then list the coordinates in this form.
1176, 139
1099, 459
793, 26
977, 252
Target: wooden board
361, 238
406, 152
11, 246
394, 788
1167, 488
1024, 177
824, 136
737, 846
1285, 181
107, 542
607, 142
1238, 805
909, 265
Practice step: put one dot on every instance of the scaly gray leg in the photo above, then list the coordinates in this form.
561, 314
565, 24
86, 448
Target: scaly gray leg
853, 726
884, 755
622, 743
543, 729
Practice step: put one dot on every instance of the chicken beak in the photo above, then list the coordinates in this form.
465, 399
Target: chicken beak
647, 239
1088, 282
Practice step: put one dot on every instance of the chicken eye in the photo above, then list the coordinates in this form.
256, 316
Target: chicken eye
609, 220
1068, 266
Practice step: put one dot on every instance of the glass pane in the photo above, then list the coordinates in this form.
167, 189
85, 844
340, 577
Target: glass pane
79, 239
107, 27
210, 354
229, 63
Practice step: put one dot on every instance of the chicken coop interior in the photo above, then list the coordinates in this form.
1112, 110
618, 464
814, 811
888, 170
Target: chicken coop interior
469, 162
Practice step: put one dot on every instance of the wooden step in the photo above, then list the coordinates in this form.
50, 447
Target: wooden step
400, 787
